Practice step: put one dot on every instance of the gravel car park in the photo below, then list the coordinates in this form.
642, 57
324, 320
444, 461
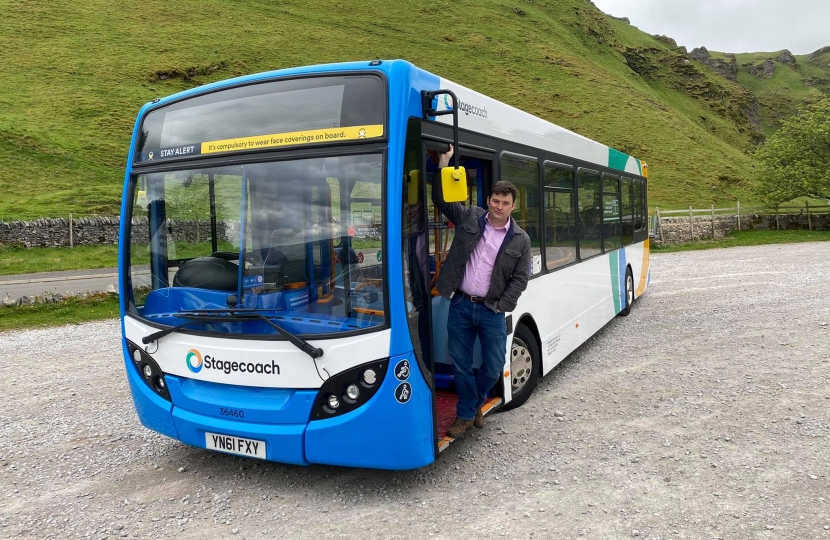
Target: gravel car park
704, 414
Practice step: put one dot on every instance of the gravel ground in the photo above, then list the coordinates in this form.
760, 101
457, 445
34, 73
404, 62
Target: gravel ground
704, 414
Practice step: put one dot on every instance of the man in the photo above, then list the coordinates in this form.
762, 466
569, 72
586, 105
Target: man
485, 273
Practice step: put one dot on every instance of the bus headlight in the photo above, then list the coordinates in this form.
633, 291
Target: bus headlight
148, 370
349, 390
370, 377
333, 402
352, 392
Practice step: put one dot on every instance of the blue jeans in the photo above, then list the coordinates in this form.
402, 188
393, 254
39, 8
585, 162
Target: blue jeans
465, 321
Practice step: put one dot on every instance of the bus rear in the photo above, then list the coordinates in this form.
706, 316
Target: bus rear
256, 300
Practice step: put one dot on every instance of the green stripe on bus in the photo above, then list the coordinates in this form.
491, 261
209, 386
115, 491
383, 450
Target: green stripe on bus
617, 160
614, 260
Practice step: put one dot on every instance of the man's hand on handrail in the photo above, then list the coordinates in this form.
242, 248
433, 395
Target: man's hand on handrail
444, 158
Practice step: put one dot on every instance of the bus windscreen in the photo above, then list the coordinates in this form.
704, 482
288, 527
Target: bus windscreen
293, 112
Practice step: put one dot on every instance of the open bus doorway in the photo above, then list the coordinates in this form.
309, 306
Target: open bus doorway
479, 168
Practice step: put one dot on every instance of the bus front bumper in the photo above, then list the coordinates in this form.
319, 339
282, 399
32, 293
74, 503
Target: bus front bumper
383, 433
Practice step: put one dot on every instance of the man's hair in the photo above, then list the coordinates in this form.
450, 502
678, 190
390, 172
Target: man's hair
504, 187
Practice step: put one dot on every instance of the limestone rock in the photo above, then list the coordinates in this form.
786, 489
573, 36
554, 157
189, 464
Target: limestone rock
700, 54
666, 40
818, 53
726, 68
814, 81
786, 57
765, 69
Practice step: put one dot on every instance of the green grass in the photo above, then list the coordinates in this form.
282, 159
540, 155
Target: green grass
750, 238
20, 260
72, 311
78, 72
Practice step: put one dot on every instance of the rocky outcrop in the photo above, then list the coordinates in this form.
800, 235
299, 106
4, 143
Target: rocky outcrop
665, 40
786, 57
700, 54
676, 70
814, 81
725, 67
765, 69
816, 54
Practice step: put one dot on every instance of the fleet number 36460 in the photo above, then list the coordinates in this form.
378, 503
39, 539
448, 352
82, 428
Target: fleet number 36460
236, 413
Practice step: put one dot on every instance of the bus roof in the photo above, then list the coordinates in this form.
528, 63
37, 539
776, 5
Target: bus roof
477, 112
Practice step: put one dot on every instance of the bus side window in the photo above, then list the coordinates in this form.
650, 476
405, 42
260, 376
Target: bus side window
524, 174
560, 228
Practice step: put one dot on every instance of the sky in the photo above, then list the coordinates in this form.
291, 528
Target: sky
734, 26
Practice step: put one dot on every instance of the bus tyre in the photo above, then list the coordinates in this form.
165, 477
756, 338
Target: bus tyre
629, 292
525, 364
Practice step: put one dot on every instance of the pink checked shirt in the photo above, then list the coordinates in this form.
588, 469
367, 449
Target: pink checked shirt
479, 268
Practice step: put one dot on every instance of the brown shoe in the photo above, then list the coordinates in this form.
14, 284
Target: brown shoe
478, 421
459, 427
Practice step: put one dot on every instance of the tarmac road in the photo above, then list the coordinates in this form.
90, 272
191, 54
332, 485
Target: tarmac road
58, 282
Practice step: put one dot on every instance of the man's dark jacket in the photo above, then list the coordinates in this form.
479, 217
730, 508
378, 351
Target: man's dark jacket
511, 268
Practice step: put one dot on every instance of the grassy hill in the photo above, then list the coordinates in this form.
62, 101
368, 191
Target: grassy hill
75, 74
781, 82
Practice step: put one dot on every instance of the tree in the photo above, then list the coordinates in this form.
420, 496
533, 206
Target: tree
795, 161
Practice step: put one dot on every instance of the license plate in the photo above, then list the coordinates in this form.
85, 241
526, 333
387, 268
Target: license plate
235, 445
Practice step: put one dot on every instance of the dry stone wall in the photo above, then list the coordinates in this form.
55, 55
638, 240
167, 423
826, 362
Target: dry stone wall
97, 231
677, 230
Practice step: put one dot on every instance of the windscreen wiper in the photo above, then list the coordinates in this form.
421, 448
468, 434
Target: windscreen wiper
236, 315
196, 316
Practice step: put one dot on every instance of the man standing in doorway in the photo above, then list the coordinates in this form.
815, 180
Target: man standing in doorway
485, 273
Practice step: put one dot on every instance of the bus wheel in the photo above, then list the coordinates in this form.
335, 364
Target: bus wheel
524, 366
629, 292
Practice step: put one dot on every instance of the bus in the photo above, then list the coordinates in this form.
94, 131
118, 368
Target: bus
279, 249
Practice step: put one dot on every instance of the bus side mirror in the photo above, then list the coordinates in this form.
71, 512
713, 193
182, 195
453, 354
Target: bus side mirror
413, 187
454, 184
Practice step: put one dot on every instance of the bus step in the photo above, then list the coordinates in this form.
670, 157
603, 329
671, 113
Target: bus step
445, 406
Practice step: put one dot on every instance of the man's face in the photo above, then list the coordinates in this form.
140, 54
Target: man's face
413, 211
500, 206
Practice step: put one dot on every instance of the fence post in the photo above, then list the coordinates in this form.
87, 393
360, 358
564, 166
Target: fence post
71, 238
713, 222
660, 225
809, 221
739, 215
691, 227
777, 228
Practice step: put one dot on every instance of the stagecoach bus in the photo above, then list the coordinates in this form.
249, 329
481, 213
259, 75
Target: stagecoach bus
279, 250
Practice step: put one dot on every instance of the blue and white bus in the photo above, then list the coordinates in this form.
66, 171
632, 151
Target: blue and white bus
279, 250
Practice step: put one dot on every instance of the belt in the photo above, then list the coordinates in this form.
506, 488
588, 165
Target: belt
471, 298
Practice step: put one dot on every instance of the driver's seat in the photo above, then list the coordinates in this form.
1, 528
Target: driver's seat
208, 273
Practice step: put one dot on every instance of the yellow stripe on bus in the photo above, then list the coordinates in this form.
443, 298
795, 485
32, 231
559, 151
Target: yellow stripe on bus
293, 138
643, 270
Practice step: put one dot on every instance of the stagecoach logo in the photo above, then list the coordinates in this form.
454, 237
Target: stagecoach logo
464, 107
194, 361
403, 392
402, 370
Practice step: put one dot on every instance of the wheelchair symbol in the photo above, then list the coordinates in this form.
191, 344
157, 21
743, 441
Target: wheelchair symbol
402, 370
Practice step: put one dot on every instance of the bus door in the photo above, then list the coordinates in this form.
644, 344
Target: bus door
479, 169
